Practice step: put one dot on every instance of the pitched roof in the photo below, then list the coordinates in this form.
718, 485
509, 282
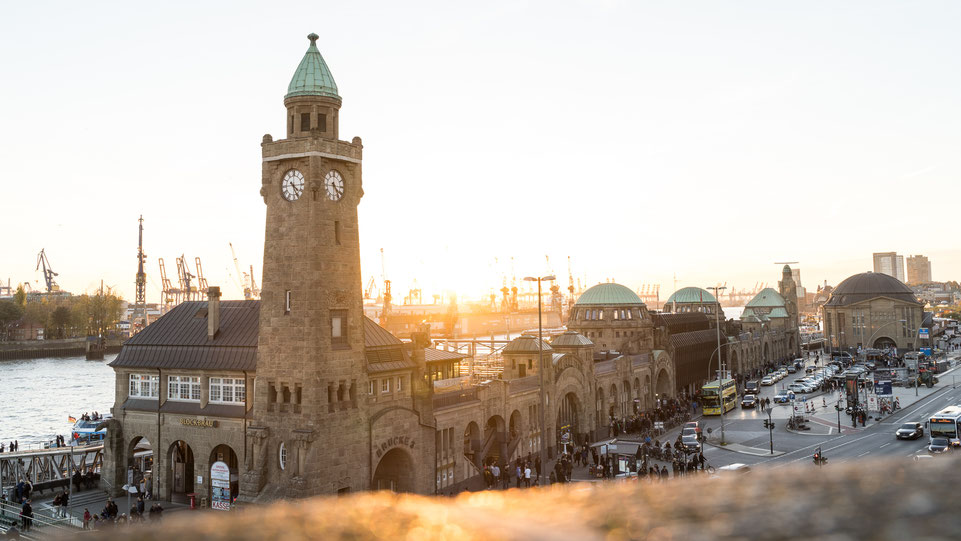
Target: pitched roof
376, 336
438, 355
526, 344
767, 298
178, 339
571, 339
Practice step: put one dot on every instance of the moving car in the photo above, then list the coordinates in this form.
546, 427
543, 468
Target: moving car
791, 369
783, 397
909, 431
751, 387
694, 425
690, 443
767, 380
938, 446
749, 401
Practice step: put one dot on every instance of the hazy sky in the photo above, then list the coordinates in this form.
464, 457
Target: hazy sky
642, 139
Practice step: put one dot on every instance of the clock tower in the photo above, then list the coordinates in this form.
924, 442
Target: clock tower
308, 433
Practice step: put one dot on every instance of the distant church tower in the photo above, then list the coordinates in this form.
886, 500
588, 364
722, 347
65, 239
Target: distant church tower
308, 434
788, 290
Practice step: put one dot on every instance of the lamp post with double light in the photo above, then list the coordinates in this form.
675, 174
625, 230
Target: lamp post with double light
540, 368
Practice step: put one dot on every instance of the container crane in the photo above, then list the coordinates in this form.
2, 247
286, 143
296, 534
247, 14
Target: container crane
48, 273
184, 277
169, 296
254, 288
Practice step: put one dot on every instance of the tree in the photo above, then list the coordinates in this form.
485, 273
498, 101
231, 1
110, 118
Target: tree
20, 297
59, 321
9, 312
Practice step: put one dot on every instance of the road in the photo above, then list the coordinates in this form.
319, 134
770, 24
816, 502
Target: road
746, 427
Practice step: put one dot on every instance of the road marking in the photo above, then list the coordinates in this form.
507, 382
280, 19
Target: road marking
885, 445
863, 454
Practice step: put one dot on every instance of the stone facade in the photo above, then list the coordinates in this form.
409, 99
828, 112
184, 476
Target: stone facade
872, 310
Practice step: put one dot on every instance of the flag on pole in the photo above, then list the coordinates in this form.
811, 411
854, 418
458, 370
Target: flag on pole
72, 419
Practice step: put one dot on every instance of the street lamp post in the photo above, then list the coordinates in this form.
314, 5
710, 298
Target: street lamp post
770, 426
540, 370
837, 406
720, 366
720, 393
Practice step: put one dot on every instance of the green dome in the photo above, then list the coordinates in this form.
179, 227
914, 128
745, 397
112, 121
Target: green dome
691, 295
767, 298
607, 294
312, 77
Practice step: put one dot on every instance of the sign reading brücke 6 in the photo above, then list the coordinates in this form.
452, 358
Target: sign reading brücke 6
202, 423
392, 442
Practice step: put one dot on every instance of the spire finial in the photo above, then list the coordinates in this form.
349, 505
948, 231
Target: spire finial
313, 39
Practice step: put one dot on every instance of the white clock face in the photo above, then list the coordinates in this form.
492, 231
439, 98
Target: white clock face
334, 186
293, 185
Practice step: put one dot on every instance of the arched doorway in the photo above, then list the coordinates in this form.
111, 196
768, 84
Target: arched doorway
140, 458
472, 441
495, 439
662, 384
883, 342
394, 472
568, 422
224, 453
515, 432
180, 473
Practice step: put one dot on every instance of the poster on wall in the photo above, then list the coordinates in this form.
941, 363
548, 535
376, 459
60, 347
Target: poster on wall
220, 486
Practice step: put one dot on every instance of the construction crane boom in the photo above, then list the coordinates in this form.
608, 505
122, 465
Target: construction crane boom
48, 273
248, 293
201, 281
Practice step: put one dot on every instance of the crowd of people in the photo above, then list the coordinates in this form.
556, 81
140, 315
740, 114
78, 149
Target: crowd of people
110, 516
14, 446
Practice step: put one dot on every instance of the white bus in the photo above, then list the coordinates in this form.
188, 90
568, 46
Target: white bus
945, 424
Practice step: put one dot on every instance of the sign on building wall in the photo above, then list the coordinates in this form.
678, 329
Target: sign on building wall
924, 333
220, 486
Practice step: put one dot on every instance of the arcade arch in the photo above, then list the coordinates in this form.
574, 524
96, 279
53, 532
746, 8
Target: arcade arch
394, 472
180, 471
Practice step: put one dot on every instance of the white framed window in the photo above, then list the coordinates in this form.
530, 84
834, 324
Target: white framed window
400, 383
282, 456
385, 385
144, 386
186, 388
228, 390
370, 387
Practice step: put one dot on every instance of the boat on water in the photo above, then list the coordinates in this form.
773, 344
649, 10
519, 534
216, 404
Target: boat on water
85, 429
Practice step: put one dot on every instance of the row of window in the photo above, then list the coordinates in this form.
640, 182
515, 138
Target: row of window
305, 122
187, 388
385, 385
618, 314
617, 334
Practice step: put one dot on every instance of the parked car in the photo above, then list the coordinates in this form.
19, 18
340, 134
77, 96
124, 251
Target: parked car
909, 431
749, 401
938, 446
791, 369
767, 380
784, 396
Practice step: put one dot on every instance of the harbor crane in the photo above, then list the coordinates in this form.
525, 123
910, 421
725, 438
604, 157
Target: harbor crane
169, 295
201, 281
48, 273
254, 288
248, 291
184, 276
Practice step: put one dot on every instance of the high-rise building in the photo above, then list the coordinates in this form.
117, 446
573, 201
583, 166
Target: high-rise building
889, 263
919, 269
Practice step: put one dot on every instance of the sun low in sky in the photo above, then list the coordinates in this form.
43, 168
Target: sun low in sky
644, 140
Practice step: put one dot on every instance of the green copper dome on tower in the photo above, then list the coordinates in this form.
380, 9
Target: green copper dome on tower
312, 77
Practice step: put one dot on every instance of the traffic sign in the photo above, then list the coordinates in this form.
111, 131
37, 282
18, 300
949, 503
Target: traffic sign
923, 332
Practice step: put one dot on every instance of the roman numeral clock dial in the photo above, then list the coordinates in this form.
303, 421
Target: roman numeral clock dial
293, 185
334, 186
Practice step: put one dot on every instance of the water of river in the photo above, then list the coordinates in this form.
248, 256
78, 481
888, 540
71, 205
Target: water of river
37, 395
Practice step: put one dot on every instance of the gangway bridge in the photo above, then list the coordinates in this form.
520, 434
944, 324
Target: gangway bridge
49, 468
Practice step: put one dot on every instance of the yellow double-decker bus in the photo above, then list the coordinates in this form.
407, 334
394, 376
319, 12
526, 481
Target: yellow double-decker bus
711, 399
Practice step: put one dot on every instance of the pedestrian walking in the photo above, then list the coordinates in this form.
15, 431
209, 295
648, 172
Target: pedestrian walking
86, 518
527, 476
26, 516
